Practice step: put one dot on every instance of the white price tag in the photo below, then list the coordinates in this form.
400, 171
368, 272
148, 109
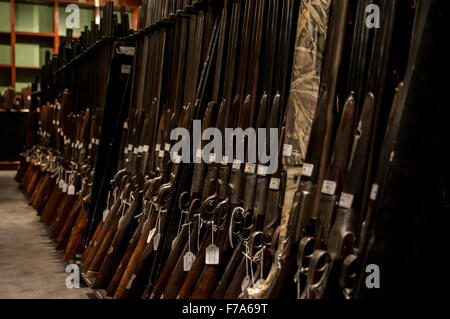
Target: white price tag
329, 187
167, 147
64, 189
140, 149
126, 50
188, 261
71, 190
125, 124
150, 235
130, 282
61, 183
224, 160
287, 150
262, 170
212, 157
145, 148
97, 141
125, 69
237, 164
161, 154
158, 147
27, 159
135, 150
250, 168
245, 283
346, 200
130, 146
212, 255
274, 184
105, 214
126, 150
89, 146
374, 192
307, 169
156, 241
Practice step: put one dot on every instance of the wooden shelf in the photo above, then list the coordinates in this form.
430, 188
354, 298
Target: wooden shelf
35, 34
15, 37
28, 67
7, 166
3, 110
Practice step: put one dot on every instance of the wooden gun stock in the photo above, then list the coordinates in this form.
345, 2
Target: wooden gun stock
118, 246
210, 276
180, 249
38, 189
23, 166
196, 270
114, 283
64, 234
129, 273
103, 249
51, 205
34, 177
234, 289
25, 176
77, 237
103, 229
88, 251
45, 194
60, 217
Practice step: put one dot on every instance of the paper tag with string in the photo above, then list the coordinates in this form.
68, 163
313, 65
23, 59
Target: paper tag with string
188, 261
245, 283
150, 235
158, 235
156, 241
212, 255
106, 211
212, 251
189, 257
71, 188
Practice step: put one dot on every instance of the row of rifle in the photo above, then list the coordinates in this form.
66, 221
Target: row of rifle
153, 227
57, 172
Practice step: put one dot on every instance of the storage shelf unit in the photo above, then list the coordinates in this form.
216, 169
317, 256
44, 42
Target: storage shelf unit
28, 28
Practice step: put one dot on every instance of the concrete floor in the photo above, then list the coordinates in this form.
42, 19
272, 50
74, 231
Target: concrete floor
30, 267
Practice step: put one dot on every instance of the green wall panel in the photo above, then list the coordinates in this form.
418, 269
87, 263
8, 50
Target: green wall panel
5, 54
34, 18
27, 54
5, 16
86, 16
22, 85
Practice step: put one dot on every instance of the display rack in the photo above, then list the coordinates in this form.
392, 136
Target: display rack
38, 24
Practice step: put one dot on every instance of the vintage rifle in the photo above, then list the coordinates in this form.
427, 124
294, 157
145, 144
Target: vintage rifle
298, 126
